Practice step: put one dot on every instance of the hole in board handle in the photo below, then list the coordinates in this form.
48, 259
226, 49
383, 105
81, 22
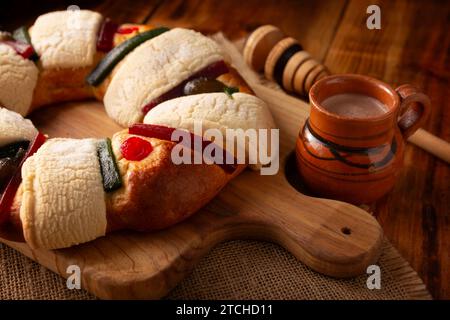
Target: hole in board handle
346, 231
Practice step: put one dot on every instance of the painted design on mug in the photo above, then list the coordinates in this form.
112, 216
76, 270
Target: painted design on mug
346, 154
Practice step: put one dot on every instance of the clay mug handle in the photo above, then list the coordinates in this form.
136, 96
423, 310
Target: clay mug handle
415, 106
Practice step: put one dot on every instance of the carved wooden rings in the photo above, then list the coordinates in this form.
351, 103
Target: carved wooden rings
283, 60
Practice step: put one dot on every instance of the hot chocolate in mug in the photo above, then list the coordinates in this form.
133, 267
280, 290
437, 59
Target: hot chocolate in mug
351, 147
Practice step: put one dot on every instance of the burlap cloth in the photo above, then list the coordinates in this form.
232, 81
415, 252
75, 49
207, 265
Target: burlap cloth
233, 270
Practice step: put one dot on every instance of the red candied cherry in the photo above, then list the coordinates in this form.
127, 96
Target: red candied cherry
136, 149
127, 30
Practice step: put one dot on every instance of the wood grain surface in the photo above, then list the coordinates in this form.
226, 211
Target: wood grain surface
412, 47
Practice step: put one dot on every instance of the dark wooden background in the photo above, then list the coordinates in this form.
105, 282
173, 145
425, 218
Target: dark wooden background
412, 46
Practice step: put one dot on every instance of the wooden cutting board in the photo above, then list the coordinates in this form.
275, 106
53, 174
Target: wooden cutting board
331, 237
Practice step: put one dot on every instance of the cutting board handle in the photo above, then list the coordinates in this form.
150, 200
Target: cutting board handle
331, 237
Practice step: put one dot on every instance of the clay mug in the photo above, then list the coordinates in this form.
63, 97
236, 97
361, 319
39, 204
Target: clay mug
351, 158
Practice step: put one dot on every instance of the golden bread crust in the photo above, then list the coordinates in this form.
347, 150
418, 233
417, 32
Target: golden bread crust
234, 79
60, 85
156, 193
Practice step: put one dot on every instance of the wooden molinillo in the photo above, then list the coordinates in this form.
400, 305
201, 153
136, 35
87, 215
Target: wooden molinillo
283, 60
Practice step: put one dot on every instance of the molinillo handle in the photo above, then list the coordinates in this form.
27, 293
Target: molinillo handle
415, 108
283, 60
434, 145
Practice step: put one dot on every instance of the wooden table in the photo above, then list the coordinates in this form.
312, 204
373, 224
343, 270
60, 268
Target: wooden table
412, 46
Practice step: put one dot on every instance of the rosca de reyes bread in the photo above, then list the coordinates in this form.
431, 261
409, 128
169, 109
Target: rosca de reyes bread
55, 192
56, 211
18, 77
66, 39
215, 111
154, 68
14, 128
